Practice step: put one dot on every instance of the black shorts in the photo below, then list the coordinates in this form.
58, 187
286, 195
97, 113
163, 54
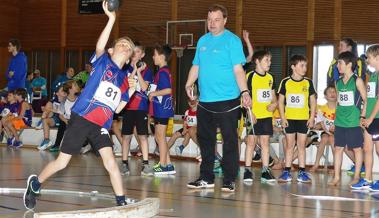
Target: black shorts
296, 126
262, 127
131, 119
373, 129
161, 121
352, 137
117, 116
79, 130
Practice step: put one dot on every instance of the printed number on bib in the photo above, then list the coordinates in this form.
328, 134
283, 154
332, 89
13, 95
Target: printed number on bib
328, 123
346, 98
264, 95
109, 94
191, 121
295, 101
371, 89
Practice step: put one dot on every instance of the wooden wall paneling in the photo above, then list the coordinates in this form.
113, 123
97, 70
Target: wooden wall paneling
360, 20
40, 23
324, 21
287, 23
145, 21
310, 36
10, 17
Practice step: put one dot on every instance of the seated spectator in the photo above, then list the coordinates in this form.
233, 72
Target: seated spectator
22, 120
50, 117
39, 91
62, 78
82, 77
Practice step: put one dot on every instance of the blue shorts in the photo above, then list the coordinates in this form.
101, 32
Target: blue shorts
352, 137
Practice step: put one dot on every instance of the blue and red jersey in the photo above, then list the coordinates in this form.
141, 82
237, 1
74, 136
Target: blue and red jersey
105, 89
161, 106
139, 100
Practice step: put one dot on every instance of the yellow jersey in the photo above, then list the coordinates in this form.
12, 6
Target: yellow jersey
326, 115
296, 95
261, 87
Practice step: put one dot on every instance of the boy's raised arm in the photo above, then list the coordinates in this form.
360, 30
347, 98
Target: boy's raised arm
104, 36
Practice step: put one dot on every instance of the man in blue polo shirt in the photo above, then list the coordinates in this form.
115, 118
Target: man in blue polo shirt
218, 67
16, 72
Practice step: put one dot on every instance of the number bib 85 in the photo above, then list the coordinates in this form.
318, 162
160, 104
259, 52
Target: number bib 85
346, 98
264, 95
295, 101
109, 94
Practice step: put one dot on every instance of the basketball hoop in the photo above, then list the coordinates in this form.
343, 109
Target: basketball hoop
179, 50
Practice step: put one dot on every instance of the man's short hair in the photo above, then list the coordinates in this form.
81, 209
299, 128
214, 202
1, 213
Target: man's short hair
218, 7
16, 43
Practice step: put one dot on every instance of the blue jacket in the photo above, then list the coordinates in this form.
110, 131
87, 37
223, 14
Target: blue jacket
18, 65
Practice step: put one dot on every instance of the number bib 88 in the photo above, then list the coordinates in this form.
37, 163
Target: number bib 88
295, 101
346, 98
264, 95
109, 94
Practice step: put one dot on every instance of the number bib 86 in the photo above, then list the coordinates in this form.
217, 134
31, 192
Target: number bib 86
346, 98
295, 101
109, 94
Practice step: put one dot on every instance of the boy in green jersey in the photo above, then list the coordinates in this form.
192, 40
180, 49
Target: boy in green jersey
350, 111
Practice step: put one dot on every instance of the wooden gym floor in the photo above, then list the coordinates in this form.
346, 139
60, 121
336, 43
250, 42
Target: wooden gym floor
85, 173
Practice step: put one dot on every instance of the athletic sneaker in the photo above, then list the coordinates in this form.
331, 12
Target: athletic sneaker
161, 170
313, 138
30, 193
352, 170
374, 187
170, 169
147, 170
17, 144
228, 187
54, 149
199, 183
179, 149
46, 143
125, 169
10, 141
85, 149
361, 184
247, 176
257, 157
303, 177
267, 176
270, 161
285, 177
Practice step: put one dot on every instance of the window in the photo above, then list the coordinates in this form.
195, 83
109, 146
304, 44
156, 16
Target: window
322, 57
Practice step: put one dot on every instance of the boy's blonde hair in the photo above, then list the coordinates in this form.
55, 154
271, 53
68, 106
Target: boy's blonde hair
131, 43
373, 50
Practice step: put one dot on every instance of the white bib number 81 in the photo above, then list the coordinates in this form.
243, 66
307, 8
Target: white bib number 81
108, 94
346, 98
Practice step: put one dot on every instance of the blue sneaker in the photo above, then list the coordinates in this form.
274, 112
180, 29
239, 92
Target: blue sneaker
160, 170
361, 184
10, 141
33, 188
352, 171
374, 187
17, 144
170, 169
285, 177
303, 177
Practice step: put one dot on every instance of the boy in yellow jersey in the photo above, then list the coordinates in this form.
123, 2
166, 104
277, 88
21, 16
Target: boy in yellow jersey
297, 107
326, 114
262, 89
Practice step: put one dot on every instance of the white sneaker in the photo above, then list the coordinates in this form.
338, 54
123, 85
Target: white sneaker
85, 149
